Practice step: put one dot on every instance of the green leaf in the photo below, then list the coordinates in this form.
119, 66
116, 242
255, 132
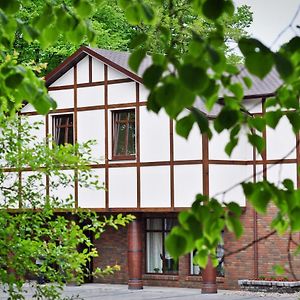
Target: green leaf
234, 225
255, 53
226, 119
257, 141
136, 59
234, 208
194, 78
272, 118
83, 8
213, 9
10, 6
166, 93
132, 14
147, 13
14, 80
255, 66
185, 125
288, 184
294, 119
257, 195
231, 145
295, 219
201, 258
201, 119
176, 244
237, 90
278, 269
138, 40
258, 123
284, 66
248, 82
152, 76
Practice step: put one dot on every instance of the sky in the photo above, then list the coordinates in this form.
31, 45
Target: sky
270, 17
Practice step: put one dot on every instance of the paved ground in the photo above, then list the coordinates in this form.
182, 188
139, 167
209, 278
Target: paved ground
120, 292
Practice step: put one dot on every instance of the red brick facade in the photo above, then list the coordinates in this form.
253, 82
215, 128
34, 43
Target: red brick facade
112, 247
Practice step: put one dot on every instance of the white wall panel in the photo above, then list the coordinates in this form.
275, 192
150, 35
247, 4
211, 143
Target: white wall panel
10, 181
61, 192
281, 140
90, 96
278, 173
154, 136
144, 93
63, 98
243, 151
253, 105
121, 93
187, 183
114, 74
83, 70
222, 177
122, 187
28, 108
190, 148
155, 186
33, 182
39, 132
91, 127
90, 197
65, 79
98, 70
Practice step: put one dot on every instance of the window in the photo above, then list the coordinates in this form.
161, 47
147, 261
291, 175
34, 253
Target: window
196, 270
123, 134
158, 259
62, 129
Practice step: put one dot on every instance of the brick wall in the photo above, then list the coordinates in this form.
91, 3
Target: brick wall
112, 247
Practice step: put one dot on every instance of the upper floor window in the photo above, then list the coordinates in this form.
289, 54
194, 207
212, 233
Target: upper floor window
123, 134
62, 129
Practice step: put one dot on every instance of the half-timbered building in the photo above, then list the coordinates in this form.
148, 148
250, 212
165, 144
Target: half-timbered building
153, 173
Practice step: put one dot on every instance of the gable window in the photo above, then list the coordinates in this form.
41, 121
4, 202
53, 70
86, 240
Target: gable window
158, 260
123, 134
62, 129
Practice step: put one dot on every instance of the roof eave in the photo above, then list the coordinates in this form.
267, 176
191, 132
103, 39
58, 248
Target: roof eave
76, 57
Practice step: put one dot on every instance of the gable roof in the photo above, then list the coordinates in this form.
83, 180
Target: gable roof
119, 61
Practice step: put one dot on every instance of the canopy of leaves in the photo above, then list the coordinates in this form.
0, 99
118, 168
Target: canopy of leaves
34, 239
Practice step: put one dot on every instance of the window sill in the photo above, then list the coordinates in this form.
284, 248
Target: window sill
158, 276
120, 158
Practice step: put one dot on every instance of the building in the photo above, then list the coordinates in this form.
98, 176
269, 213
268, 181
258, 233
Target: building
151, 172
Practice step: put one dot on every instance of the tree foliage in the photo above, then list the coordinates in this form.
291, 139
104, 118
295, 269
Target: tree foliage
35, 239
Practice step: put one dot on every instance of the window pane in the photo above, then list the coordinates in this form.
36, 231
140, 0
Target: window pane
154, 224
123, 115
154, 252
131, 138
195, 269
170, 223
70, 135
132, 116
121, 140
61, 136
